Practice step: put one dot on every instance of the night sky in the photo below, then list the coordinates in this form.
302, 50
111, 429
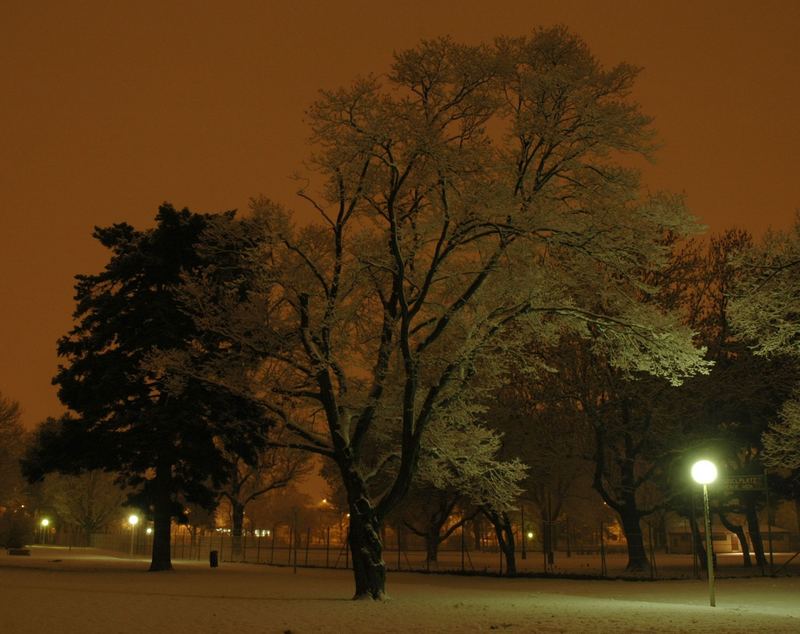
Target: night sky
109, 108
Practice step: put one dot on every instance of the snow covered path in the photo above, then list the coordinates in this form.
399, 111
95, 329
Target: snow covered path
84, 592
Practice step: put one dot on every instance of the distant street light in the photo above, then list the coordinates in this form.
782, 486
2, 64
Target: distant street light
133, 520
705, 472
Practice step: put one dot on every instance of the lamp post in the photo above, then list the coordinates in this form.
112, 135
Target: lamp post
44, 524
705, 472
133, 520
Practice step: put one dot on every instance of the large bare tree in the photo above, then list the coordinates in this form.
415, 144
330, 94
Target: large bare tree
467, 202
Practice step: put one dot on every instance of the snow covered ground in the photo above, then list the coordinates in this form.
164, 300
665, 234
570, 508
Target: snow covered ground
85, 591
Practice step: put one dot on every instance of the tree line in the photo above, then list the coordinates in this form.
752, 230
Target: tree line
485, 307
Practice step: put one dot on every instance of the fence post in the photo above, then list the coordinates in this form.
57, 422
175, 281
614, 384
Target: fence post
769, 525
499, 535
544, 544
296, 537
399, 543
569, 537
550, 531
695, 554
291, 543
603, 564
652, 552
463, 524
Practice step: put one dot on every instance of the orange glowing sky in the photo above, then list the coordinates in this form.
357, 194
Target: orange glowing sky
109, 108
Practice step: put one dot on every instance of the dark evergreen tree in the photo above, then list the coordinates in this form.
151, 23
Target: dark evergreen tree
169, 443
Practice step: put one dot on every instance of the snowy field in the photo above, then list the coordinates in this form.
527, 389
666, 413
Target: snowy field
86, 591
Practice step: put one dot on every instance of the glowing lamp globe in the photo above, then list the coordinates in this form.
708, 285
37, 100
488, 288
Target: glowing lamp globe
133, 520
704, 472
45, 523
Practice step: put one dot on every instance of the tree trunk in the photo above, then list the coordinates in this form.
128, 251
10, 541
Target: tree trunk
237, 513
505, 539
402, 538
624, 501
797, 512
738, 530
509, 547
162, 520
699, 543
432, 544
755, 533
366, 548
477, 533
631, 526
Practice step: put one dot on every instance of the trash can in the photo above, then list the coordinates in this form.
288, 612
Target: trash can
213, 558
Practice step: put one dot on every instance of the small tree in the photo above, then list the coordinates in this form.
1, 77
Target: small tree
461, 465
542, 428
287, 507
274, 468
15, 522
88, 501
12, 446
427, 512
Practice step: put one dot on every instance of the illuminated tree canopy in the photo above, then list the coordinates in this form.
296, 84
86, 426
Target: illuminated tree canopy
468, 203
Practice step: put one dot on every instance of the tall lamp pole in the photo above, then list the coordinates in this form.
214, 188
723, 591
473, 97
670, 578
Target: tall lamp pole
705, 472
133, 520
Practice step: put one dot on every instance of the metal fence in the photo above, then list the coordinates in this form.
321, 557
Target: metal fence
585, 554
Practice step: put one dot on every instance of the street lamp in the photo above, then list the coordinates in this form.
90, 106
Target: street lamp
133, 520
44, 524
705, 472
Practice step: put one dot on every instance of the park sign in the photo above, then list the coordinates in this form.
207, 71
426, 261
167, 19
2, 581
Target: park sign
745, 482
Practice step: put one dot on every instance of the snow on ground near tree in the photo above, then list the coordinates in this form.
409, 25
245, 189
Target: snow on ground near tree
85, 591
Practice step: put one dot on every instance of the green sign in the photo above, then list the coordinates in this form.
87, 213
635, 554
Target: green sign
745, 483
